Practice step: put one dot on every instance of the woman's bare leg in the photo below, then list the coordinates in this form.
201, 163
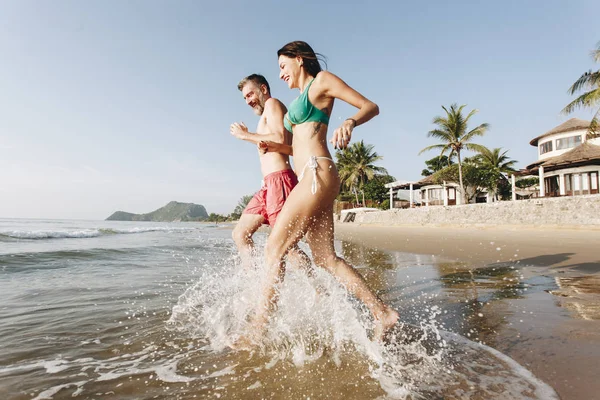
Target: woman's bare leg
304, 211
320, 239
300, 260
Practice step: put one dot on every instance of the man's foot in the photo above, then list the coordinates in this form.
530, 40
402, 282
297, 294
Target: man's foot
384, 323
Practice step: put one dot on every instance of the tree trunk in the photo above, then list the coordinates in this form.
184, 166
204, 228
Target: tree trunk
460, 178
362, 185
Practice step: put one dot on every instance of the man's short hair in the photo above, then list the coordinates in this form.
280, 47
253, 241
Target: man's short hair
256, 78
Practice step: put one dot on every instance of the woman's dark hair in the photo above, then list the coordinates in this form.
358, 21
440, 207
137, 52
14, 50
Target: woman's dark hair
310, 59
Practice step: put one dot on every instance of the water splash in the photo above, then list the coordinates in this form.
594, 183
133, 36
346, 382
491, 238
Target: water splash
316, 320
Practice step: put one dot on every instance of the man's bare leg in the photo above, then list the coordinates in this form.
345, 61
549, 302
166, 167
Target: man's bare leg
242, 236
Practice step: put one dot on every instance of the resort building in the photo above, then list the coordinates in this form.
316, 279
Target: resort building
424, 192
568, 161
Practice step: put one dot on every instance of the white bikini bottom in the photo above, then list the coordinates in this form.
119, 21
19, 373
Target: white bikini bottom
313, 165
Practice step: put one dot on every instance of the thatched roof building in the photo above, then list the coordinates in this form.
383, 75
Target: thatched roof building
574, 124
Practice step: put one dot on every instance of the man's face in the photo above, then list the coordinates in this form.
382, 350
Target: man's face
254, 96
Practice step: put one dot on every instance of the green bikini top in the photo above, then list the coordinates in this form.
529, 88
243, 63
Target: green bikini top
301, 110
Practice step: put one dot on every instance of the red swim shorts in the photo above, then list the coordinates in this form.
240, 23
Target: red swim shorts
269, 200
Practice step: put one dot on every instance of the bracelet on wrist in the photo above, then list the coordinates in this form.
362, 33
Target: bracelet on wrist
353, 120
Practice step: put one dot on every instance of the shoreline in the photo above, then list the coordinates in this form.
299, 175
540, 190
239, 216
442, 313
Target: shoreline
559, 340
563, 248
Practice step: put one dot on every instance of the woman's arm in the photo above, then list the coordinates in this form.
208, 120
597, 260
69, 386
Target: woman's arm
266, 146
334, 87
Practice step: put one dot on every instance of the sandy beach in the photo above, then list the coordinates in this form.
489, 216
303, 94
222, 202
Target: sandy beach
555, 333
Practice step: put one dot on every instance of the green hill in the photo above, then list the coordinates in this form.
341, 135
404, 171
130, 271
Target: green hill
174, 211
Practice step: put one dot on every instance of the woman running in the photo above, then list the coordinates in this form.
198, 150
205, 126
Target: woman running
308, 211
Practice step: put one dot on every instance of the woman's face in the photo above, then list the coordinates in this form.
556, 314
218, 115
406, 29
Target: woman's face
289, 70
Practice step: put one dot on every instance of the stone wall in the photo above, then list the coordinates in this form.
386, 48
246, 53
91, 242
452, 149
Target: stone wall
578, 211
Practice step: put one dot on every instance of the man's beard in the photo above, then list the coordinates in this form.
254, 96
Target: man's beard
260, 107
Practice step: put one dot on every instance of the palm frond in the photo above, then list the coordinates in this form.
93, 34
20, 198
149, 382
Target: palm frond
444, 147
478, 131
508, 167
594, 128
484, 151
473, 112
442, 134
590, 99
588, 80
457, 110
380, 170
596, 53
439, 120
475, 147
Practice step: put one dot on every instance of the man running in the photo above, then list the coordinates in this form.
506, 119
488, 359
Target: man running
278, 177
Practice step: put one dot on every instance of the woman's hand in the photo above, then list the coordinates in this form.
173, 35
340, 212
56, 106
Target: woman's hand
343, 134
266, 146
263, 146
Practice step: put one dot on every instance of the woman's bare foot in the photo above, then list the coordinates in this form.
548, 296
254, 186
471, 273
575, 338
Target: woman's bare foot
384, 323
243, 343
250, 340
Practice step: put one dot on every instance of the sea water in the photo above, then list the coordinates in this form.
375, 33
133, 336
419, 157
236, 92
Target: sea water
143, 310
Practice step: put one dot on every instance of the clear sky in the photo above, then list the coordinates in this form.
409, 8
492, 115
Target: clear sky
126, 105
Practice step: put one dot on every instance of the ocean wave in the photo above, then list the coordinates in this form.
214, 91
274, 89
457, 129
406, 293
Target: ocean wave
83, 233
32, 261
144, 230
27, 259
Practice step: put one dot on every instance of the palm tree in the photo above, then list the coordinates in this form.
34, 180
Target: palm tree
435, 164
589, 80
500, 163
452, 132
356, 166
496, 163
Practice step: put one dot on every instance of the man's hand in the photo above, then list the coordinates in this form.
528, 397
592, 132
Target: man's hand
238, 130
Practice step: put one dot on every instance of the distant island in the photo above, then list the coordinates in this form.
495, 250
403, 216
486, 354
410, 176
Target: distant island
172, 212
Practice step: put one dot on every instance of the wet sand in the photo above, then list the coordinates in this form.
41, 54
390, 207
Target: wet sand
555, 333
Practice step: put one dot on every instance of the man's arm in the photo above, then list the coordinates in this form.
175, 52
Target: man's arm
275, 131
